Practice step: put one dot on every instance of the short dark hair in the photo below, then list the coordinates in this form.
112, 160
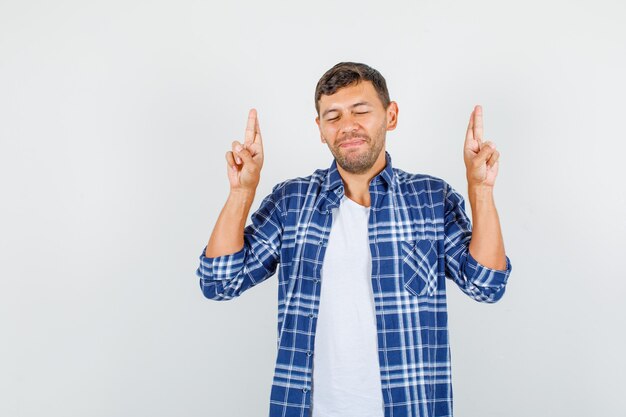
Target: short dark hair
345, 74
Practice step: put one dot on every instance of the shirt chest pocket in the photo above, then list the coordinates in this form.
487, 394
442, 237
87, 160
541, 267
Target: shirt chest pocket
419, 266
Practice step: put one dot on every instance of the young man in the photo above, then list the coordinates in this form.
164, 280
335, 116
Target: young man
364, 250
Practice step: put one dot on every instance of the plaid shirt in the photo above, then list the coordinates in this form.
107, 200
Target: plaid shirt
419, 235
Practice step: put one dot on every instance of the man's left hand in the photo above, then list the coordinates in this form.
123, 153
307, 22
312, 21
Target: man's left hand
481, 158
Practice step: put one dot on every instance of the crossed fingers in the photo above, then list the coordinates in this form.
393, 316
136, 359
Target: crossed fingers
253, 142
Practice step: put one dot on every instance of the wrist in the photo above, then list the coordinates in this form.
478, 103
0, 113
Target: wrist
481, 199
242, 195
480, 190
480, 195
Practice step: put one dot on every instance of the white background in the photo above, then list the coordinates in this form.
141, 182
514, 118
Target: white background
114, 120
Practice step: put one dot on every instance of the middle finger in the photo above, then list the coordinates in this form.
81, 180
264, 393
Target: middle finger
250, 127
478, 124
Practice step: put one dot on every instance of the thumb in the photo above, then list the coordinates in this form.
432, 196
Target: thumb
486, 150
246, 156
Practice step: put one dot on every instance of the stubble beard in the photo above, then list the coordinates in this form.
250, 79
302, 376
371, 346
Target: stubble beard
359, 162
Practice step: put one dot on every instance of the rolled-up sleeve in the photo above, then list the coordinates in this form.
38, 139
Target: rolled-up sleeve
478, 281
226, 277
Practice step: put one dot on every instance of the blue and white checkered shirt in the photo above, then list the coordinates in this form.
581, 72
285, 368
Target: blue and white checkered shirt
419, 235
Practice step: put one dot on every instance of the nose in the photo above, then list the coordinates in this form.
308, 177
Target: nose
349, 124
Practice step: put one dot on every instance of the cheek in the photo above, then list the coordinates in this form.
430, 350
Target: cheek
378, 126
329, 132
376, 123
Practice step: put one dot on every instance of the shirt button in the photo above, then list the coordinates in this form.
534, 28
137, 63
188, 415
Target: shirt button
316, 280
321, 242
304, 390
309, 353
311, 315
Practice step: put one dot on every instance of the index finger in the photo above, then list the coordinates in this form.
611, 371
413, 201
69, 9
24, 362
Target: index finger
478, 124
250, 127
469, 133
257, 135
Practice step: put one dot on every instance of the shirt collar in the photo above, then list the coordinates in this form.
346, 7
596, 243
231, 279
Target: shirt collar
333, 178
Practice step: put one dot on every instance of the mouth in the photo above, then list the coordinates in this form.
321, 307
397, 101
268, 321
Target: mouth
352, 143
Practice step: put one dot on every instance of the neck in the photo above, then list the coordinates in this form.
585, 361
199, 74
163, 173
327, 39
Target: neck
357, 186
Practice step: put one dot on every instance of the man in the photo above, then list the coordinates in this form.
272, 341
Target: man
364, 249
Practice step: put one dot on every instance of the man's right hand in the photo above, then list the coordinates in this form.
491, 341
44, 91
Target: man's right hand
245, 161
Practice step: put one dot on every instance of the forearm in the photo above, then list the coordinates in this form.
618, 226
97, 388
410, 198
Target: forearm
487, 244
227, 235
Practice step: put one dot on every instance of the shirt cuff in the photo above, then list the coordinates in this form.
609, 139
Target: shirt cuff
220, 267
484, 276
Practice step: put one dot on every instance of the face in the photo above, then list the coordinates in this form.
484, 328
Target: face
353, 122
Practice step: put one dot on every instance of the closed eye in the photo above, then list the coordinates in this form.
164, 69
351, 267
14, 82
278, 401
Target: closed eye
335, 118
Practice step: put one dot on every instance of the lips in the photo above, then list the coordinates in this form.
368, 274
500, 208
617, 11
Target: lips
352, 143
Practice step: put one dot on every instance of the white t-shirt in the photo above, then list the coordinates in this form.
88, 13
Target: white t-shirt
346, 371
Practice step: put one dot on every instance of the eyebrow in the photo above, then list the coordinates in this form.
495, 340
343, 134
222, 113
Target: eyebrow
360, 103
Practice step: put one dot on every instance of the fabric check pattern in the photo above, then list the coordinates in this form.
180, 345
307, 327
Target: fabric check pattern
419, 235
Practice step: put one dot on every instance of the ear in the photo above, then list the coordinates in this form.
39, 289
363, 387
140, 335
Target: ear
317, 120
392, 115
